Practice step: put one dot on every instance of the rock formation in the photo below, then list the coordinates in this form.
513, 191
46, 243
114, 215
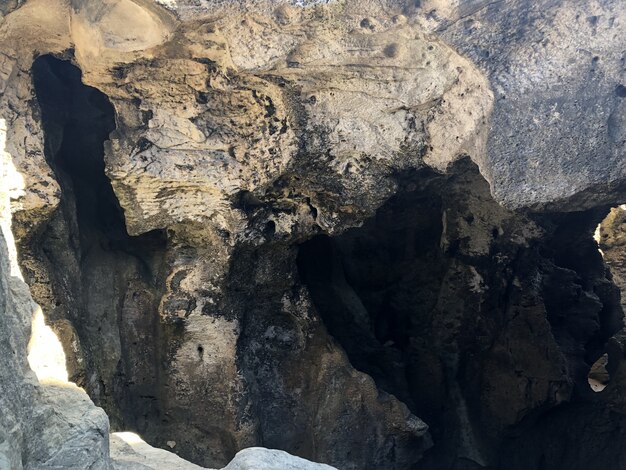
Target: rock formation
358, 232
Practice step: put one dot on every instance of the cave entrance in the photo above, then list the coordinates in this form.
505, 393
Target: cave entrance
401, 292
443, 296
77, 120
98, 285
375, 287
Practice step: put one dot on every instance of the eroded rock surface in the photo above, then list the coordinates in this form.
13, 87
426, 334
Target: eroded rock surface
360, 232
556, 69
42, 425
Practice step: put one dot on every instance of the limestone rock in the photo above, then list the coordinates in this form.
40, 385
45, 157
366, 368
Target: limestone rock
267, 459
129, 452
42, 426
357, 231
556, 70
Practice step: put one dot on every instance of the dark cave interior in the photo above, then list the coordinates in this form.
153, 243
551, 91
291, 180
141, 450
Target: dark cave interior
78, 120
362, 283
391, 293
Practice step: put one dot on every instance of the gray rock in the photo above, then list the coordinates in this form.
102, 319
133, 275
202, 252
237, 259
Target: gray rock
556, 139
42, 426
128, 452
257, 458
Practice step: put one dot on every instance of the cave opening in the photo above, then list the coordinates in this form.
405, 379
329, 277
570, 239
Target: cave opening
96, 283
364, 285
480, 319
77, 121
392, 293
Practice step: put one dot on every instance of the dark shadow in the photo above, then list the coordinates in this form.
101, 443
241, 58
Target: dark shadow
97, 285
374, 286
437, 322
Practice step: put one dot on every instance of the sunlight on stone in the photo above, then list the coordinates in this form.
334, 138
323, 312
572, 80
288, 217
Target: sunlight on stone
598, 376
597, 237
45, 353
168, 3
12, 188
134, 450
129, 437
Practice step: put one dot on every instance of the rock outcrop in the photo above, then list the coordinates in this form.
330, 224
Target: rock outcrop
47, 422
358, 232
128, 452
42, 425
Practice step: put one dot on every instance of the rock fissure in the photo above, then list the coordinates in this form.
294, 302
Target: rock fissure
97, 284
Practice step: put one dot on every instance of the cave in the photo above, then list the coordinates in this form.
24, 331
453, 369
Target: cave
376, 286
78, 120
426, 297
429, 296
381, 236
95, 282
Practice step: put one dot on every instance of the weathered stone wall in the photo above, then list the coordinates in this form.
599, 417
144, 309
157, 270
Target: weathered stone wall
360, 232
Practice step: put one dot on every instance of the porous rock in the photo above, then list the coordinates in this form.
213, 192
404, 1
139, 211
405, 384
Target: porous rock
360, 232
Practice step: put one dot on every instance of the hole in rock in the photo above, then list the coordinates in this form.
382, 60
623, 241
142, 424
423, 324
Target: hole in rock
598, 376
77, 121
96, 283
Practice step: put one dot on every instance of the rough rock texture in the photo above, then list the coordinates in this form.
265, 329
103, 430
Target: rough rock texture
360, 232
42, 426
130, 453
612, 242
473, 315
255, 458
556, 68
50, 423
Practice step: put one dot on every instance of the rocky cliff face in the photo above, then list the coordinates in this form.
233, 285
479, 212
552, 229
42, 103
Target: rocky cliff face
359, 232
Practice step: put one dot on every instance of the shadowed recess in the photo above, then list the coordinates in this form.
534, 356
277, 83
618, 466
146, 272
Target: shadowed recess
97, 284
